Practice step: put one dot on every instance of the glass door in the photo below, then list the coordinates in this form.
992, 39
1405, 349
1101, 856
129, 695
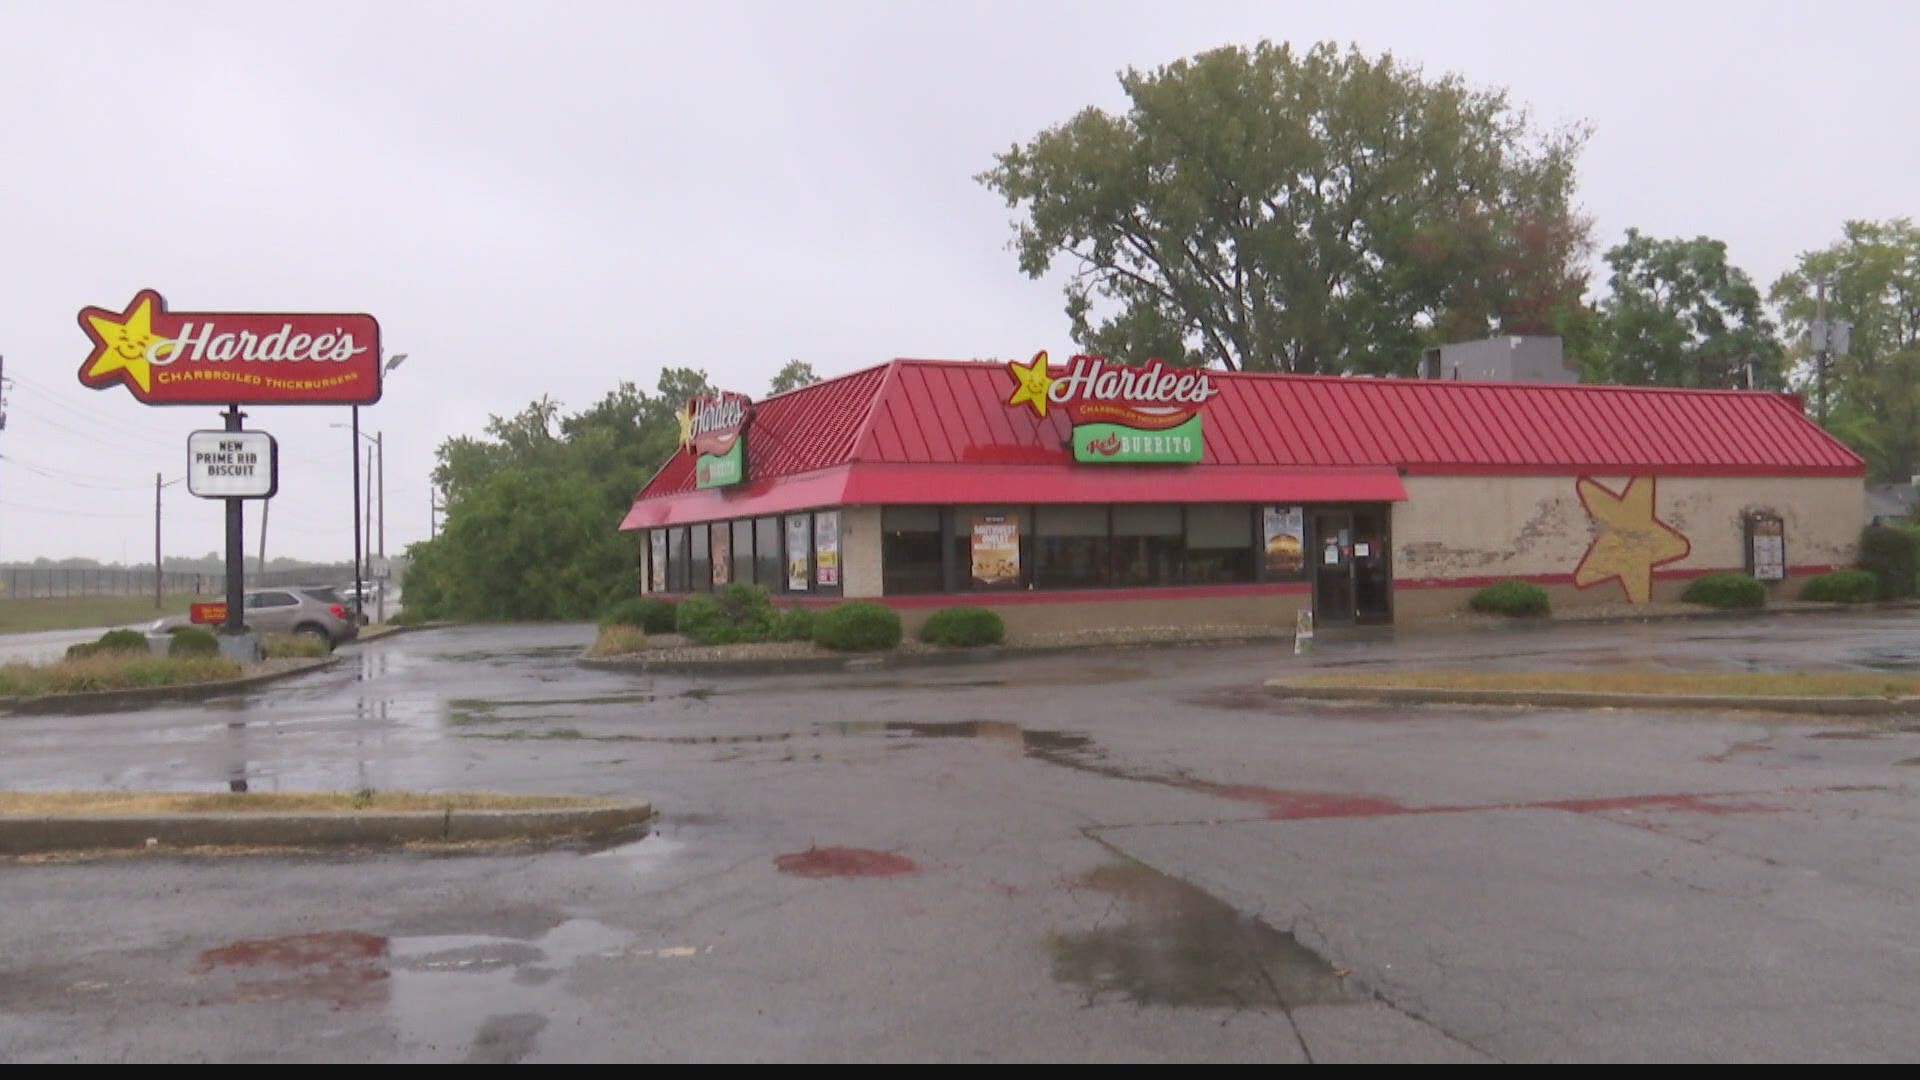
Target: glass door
1332, 566
1372, 565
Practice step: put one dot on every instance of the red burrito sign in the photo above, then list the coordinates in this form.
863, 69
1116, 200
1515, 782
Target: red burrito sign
207, 614
217, 358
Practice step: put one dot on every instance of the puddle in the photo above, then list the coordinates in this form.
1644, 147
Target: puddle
1180, 946
819, 862
1849, 733
1908, 762
1887, 659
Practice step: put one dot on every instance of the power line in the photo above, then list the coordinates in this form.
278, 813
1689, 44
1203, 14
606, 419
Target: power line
77, 479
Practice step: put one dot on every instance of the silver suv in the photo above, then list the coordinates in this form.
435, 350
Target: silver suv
310, 612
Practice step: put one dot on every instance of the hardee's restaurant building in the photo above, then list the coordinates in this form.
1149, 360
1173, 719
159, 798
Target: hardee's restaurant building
1092, 494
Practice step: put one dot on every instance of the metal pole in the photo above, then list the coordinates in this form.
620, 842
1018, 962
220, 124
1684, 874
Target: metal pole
260, 571
236, 547
356, 513
380, 602
156, 542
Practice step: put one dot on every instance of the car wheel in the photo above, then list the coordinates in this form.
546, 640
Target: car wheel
315, 633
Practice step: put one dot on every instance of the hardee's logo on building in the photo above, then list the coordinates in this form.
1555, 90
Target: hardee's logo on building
714, 428
216, 358
1120, 414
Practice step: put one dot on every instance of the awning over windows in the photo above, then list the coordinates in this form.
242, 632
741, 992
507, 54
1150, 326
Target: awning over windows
885, 485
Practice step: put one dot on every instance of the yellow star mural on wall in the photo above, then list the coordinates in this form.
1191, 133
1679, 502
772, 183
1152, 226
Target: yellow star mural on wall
1632, 538
120, 344
1031, 383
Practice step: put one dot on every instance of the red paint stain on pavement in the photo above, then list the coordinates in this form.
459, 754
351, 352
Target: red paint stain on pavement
822, 862
341, 967
1304, 805
1708, 803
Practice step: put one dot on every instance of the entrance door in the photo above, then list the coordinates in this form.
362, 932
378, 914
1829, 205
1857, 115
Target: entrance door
1332, 566
1372, 568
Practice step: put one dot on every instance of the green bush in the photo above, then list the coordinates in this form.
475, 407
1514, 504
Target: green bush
1510, 598
649, 613
857, 627
735, 613
1726, 591
1842, 587
792, 624
121, 641
963, 626
1892, 556
193, 641
294, 646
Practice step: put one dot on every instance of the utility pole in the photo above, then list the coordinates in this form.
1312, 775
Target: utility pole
1822, 334
265, 504
380, 600
156, 543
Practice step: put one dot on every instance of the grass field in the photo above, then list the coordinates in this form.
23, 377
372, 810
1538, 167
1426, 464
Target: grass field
1749, 684
37, 803
73, 612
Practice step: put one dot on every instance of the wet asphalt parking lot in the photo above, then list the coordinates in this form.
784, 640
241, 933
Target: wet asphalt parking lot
1114, 855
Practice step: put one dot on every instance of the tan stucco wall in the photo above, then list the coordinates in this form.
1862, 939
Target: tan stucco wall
860, 551
1500, 527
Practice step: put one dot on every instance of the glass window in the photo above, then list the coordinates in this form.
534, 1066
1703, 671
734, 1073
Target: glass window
700, 565
910, 551
722, 554
677, 560
767, 567
1219, 543
994, 548
799, 550
1147, 545
1283, 543
1070, 547
743, 553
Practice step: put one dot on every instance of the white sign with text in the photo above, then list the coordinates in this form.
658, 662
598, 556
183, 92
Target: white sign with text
232, 465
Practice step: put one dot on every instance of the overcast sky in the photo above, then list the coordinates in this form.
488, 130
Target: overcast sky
547, 198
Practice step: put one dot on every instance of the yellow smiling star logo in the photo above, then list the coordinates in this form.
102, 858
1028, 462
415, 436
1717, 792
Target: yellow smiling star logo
1632, 538
685, 416
1031, 383
120, 343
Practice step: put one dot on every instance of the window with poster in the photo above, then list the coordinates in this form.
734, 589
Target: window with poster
657, 564
799, 548
994, 548
1283, 543
826, 550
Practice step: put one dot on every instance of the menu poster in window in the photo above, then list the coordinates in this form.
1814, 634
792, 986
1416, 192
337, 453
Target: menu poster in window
826, 548
1769, 547
657, 568
996, 550
1285, 540
797, 554
722, 554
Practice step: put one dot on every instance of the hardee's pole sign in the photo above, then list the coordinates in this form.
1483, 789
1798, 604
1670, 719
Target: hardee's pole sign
218, 358
714, 428
1121, 415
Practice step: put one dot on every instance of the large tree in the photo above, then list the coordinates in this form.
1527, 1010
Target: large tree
1872, 396
532, 506
795, 375
1680, 315
1324, 211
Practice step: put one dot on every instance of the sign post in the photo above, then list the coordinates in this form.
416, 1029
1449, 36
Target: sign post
236, 547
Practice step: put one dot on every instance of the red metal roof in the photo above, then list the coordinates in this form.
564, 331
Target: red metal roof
954, 414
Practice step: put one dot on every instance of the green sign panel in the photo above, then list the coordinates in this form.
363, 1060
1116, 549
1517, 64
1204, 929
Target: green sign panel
1118, 444
719, 470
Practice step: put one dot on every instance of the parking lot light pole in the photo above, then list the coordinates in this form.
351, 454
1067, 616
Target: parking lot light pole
359, 548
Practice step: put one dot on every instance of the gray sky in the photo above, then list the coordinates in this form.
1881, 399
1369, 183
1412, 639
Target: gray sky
549, 198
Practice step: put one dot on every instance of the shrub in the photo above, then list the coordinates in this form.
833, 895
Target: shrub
121, 641
857, 627
619, 639
1726, 591
1892, 556
1510, 598
963, 626
792, 624
193, 641
294, 646
119, 671
1841, 587
735, 613
649, 613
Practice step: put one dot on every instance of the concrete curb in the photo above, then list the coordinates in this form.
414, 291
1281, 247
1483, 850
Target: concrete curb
1585, 699
859, 662
146, 695
395, 630
382, 828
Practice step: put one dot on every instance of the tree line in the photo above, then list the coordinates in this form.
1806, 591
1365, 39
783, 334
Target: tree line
1262, 208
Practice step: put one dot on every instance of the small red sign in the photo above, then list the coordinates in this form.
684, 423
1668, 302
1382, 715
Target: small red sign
215, 358
208, 614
